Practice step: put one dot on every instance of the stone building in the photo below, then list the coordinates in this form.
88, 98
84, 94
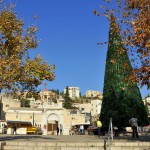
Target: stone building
47, 116
6, 102
92, 94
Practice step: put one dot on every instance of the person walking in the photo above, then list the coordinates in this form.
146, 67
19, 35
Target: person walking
14, 131
81, 129
99, 125
134, 124
57, 130
61, 129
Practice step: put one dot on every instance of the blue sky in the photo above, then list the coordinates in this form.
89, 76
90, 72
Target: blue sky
69, 31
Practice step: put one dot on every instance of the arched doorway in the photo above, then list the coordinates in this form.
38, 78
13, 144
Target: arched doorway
52, 122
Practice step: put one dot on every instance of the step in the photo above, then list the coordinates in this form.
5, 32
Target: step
51, 148
24, 145
54, 144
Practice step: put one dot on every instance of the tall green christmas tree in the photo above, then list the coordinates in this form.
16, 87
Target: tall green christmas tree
121, 98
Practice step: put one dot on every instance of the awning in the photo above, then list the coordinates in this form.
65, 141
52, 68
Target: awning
18, 122
74, 124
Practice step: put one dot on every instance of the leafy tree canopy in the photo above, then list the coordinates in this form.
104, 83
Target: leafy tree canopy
17, 69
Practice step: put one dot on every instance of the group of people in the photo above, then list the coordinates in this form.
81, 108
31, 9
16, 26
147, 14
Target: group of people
133, 122
59, 129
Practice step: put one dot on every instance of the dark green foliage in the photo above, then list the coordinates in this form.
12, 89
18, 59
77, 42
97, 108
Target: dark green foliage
68, 101
121, 98
34, 94
55, 91
25, 103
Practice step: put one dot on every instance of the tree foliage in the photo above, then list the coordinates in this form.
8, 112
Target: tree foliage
132, 17
68, 102
17, 69
121, 97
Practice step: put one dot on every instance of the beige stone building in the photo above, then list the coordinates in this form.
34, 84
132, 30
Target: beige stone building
7, 102
92, 94
47, 116
47, 96
83, 107
96, 105
147, 104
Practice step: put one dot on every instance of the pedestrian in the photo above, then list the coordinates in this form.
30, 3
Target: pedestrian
61, 129
15, 128
81, 129
134, 124
116, 131
99, 125
57, 130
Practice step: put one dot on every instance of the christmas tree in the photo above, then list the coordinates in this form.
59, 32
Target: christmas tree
121, 97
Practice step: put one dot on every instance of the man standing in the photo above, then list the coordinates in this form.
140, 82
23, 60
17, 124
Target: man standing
61, 128
15, 128
134, 124
81, 129
57, 130
99, 125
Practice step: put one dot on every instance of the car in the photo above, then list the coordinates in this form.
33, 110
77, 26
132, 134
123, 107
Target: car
3, 130
34, 130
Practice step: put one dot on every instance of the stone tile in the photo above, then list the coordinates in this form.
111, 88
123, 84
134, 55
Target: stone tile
93, 148
131, 144
13, 143
81, 144
61, 144
92, 144
119, 144
144, 143
83, 148
71, 144
51, 143
22, 143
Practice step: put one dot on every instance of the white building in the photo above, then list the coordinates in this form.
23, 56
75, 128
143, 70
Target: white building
147, 104
74, 92
96, 105
92, 93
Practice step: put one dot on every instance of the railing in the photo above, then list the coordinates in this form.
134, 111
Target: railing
110, 133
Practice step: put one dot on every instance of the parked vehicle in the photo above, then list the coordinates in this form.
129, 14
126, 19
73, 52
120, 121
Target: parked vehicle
3, 130
34, 130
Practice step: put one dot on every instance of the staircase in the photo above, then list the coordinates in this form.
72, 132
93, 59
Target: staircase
28, 145
15, 145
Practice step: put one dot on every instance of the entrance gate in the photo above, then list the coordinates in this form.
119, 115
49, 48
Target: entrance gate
52, 122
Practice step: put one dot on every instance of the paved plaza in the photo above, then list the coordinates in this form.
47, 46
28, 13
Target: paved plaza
71, 138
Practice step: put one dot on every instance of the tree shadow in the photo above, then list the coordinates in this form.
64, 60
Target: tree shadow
24, 137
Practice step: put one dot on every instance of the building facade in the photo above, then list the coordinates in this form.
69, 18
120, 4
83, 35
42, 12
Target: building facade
74, 92
47, 116
96, 105
92, 94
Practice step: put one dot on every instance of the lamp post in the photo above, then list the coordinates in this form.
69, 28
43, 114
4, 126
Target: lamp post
33, 119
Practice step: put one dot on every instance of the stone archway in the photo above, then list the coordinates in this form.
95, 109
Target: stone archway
52, 122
